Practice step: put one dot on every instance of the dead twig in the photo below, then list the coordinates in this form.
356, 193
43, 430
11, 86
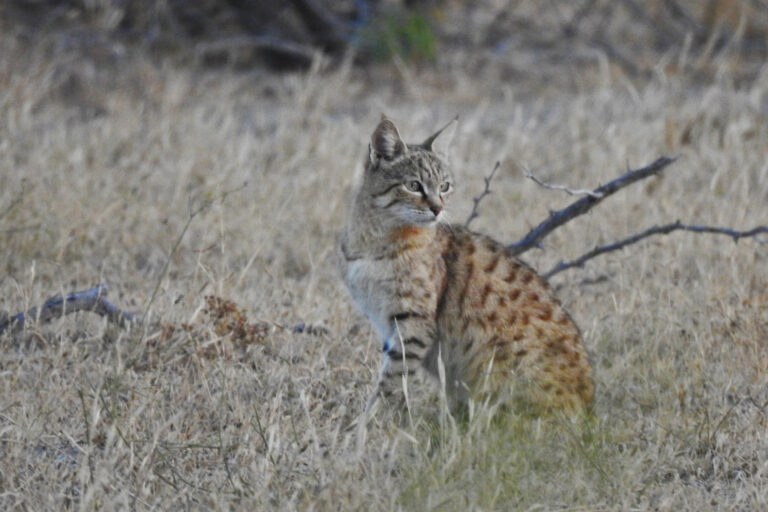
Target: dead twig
583, 205
93, 300
655, 230
486, 191
569, 191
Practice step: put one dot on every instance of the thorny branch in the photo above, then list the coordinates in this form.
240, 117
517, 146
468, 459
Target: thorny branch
583, 205
655, 230
486, 191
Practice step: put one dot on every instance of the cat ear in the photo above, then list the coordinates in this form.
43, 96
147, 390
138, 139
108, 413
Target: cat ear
441, 141
386, 142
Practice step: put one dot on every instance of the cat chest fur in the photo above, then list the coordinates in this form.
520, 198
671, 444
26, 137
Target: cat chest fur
400, 280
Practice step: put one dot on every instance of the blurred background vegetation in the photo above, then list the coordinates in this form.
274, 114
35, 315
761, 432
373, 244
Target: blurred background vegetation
635, 36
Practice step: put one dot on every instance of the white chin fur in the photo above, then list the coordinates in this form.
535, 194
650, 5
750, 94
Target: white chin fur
422, 217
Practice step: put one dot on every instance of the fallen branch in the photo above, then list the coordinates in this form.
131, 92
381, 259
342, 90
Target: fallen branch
486, 191
655, 230
583, 205
93, 300
225, 313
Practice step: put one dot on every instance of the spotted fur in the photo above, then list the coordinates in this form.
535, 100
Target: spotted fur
440, 293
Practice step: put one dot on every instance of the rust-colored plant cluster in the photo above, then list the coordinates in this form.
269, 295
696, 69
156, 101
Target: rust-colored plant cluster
227, 319
223, 328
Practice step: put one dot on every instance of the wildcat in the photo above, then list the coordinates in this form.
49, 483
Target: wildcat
445, 300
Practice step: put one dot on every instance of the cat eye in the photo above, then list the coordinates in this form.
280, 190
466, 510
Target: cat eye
445, 187
413, 186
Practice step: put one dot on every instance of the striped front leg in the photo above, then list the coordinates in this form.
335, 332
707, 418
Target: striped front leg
404, 351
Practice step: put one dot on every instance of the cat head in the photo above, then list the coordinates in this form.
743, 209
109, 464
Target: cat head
408, 182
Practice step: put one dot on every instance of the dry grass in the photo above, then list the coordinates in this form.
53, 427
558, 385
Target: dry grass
102, 164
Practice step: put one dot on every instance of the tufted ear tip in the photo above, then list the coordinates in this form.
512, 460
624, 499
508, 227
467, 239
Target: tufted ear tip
386, 142
449, 129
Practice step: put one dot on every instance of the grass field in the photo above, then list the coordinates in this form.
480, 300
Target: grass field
234, 185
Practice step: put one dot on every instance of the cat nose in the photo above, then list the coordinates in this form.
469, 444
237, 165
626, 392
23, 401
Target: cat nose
436, 209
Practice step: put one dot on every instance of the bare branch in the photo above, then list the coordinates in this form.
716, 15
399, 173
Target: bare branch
655, 230
569, 191
583, 205
93, 300
486, 191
